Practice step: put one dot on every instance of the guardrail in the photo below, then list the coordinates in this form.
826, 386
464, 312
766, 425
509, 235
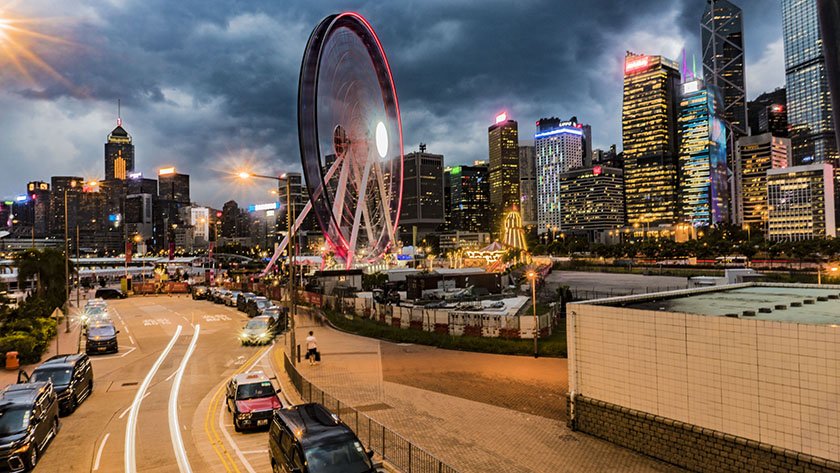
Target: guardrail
393, 447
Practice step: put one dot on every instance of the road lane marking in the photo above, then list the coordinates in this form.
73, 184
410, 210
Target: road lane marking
131, 339
129, 407
99, 452
130, 459
174, 431
254, 452
215, 439
106, 357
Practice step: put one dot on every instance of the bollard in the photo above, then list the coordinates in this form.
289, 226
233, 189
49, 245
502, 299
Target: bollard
12, 361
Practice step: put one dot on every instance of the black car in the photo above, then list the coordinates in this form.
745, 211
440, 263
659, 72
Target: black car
72, 378
199, 292
308, 438
101, 337
109, 293
256, 305
242, 300
28, 421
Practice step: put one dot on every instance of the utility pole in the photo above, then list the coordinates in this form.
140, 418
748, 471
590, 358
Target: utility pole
78, 274
66, 268
291, 285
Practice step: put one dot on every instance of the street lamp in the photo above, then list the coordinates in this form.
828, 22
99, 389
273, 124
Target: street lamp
66, 268
290, 219
532, 275
832, 269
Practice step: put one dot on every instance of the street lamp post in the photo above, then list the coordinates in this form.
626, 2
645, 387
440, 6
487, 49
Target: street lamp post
290, 219
532, 275
66, 268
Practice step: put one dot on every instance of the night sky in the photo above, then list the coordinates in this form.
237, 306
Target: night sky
209, 84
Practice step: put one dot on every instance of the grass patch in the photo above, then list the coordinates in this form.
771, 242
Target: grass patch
553, 346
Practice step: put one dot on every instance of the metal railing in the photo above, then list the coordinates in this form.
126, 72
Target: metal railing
394, 448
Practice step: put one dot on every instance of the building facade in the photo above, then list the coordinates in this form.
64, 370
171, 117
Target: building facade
649, 136
593, 200
703, 177
559, 148
801, 203
721, 28
119, 154
528, 185
768, 112
503, 143
422, 203
470, 197
808, 95
754, 156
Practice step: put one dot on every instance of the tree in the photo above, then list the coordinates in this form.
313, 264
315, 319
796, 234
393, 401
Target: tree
47, 267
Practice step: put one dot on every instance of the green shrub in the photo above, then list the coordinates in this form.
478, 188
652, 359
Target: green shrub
28, 347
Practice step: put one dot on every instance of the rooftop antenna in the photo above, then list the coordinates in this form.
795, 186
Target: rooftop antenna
422, 147
119, 113
694, 65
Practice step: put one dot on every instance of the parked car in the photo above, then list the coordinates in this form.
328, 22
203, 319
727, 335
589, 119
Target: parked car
109, 293
256, 305
231, 298
258, 331
308, 438
243, 299
280, 316
219, 298
71, 376
94, 313
101, 337
28, 422
199, 292
251, 399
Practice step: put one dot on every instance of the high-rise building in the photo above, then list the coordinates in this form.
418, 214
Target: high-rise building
422, 203
593, 200
829, 12
470, 194
703, 178
200, 221
649, 136
721, 29
528, 185
38, 207
503, 141
230, 219
119, 154
773, 106
808, 96
173, 186
801, 202
754, 156
559, 148
72, 187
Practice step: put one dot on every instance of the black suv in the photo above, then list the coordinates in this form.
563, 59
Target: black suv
308, 438
109, 293
28, 421
72, 377
101, 337
242, 300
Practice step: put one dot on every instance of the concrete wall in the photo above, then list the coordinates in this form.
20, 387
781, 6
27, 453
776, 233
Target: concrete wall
770, 382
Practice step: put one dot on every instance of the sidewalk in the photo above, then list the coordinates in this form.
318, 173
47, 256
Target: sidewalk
470, 436
68, 342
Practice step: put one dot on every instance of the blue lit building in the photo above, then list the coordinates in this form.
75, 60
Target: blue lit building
702, 172
559, 148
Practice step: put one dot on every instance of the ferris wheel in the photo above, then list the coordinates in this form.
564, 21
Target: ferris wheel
350, 137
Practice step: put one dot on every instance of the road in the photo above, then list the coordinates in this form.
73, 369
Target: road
129, 418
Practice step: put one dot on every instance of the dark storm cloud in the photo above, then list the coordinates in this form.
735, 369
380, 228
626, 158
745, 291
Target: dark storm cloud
202, 81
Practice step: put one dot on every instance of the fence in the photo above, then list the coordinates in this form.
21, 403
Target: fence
391, 446
579, 294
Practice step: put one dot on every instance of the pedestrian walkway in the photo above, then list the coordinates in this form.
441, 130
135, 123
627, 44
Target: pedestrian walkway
68, 342
471, 436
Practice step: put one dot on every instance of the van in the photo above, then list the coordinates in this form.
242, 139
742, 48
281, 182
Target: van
28, 422
72, 378
101, 337
308, 438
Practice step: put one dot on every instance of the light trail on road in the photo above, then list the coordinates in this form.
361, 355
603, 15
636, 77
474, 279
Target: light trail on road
130, 459
174, 428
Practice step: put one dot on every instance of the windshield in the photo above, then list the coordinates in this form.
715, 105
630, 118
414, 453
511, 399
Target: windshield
13, 420
254, 390
94, 310
59, 376
102, 331
262, 304
342, 457
271, 312
256, 325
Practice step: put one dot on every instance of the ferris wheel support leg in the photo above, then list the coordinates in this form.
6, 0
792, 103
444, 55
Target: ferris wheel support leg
285, 242
357, 218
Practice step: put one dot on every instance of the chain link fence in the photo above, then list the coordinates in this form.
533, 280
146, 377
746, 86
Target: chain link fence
394, 448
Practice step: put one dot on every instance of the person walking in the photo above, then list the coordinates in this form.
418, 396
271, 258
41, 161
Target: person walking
311, 348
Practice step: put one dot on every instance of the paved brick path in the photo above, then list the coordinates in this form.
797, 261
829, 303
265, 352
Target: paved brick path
471, 436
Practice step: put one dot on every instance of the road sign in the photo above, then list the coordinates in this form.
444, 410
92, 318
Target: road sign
57, 314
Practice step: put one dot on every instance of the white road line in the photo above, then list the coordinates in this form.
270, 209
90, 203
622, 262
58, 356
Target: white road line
131, 339
130, 459
126, 328
99, 452
174, 430
129, 407
171, 376
239, 453
106, 357
254, 452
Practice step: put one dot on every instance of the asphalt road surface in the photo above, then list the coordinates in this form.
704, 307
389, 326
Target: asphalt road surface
140, 419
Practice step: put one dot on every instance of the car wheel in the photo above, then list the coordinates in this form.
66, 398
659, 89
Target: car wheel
275, 468
75, 404
33, 457
236, 426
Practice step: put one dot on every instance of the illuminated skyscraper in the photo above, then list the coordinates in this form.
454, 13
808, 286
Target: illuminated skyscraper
593, 200
649, 136
528, 185
503, 140
119, 154
703, 181
559, 148
422, 209
801, 202
754, 156
808, 96
723, 60
470, 196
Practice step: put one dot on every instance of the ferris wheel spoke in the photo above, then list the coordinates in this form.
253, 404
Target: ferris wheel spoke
360, 204
341, 191
368, 224
384, 196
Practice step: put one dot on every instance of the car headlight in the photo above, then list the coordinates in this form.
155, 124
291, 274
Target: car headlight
264, 335
243, 335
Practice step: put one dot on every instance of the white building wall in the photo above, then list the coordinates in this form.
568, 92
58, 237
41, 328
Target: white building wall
556, 153
772, 382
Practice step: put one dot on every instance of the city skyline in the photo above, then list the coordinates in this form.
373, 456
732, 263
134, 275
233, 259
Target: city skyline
213, 119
